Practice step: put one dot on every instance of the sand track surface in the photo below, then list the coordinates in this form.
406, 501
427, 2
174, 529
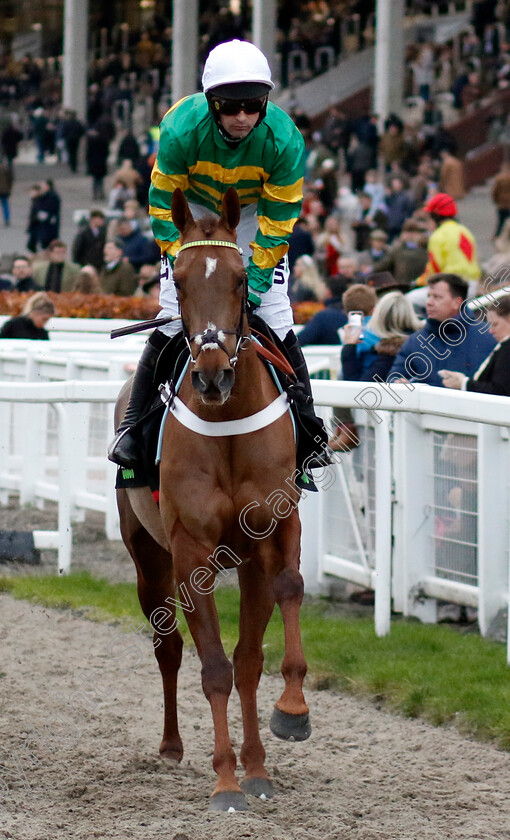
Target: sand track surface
81, 719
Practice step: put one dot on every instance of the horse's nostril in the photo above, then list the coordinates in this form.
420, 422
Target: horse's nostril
200, 382
224, 380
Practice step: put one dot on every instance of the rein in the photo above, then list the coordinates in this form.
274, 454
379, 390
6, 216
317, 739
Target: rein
213, 338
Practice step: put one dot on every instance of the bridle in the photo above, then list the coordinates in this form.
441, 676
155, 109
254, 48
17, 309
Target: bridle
213, 338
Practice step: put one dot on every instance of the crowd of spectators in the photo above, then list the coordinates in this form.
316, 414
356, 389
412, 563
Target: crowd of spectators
366, 186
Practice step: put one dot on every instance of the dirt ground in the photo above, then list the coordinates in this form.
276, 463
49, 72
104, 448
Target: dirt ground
81, 719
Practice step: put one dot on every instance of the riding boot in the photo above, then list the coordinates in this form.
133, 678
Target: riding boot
125, 448
312, 450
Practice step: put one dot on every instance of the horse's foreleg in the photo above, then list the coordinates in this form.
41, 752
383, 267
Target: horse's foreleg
155, 585
290, 719
202, 618
257, 604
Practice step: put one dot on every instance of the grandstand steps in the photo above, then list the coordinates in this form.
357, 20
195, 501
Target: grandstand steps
352, 78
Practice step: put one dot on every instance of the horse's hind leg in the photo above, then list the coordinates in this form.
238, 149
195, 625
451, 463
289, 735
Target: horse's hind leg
257, 604
155, 584
290, 720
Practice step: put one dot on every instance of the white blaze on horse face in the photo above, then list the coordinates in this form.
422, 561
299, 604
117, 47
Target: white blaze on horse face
210, 266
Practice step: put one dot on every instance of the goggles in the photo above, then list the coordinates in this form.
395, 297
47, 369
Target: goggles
231, 107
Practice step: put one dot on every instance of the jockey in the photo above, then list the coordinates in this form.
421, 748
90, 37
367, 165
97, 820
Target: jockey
229, 135
452, 246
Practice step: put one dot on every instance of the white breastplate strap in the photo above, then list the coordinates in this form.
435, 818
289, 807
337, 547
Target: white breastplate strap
224, 428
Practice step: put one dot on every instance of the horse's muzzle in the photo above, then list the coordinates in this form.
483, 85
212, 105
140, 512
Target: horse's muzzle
215, 387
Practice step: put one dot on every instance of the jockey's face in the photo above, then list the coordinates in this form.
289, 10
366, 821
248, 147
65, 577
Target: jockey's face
239, 125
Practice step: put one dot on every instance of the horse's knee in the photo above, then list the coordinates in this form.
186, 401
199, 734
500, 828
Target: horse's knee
217, 676
247, 663
168, 645
288, 586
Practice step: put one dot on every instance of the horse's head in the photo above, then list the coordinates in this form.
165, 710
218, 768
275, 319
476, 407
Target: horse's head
210, 279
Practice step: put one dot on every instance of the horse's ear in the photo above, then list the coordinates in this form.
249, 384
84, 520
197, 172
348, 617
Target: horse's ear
181, 214
231, 210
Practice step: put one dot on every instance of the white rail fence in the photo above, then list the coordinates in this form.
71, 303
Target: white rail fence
419, 512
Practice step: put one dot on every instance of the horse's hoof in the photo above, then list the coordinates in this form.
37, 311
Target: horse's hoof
290, 727
228, 801
170, 753
260, 787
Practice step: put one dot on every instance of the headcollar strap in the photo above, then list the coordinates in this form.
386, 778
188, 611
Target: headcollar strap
216, 242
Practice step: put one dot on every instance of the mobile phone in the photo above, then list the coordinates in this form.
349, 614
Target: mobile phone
355, 319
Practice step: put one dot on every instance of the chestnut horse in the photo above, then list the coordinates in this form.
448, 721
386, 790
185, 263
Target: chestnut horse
224, 501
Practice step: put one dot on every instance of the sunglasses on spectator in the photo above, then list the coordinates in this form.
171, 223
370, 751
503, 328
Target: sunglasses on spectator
231, 107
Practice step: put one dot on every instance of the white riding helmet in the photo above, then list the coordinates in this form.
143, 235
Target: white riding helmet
235, 62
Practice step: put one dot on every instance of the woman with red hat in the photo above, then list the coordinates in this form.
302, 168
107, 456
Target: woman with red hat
452, 246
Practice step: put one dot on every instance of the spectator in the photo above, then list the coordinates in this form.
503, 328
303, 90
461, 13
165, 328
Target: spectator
96, 156
131, 211
330, 246
32, 226
327, 184
44, 222
361, 298
145, 275
377, 250
300, 241
129, 149
306, 283
393, 321
367, 222
57, 273
447, 341
6, 182
87, 281
137, 248
323, 327
493, 375
392, 146
30, 324
119, 194
423, 70
117, 276
501, 197
39, 130
152, 288
89, 242
348, 267
72, 131
375, 189
408, 258
359, 160
22, 274
11, 138
472, 92
452, 247
451, 175
400, 206
129, 176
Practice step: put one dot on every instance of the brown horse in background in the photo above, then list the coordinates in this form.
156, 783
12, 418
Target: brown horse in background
224, 501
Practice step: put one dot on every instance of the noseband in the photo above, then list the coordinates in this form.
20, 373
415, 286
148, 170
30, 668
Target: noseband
213, 338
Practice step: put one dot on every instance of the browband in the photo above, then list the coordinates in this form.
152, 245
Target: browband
214, 242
